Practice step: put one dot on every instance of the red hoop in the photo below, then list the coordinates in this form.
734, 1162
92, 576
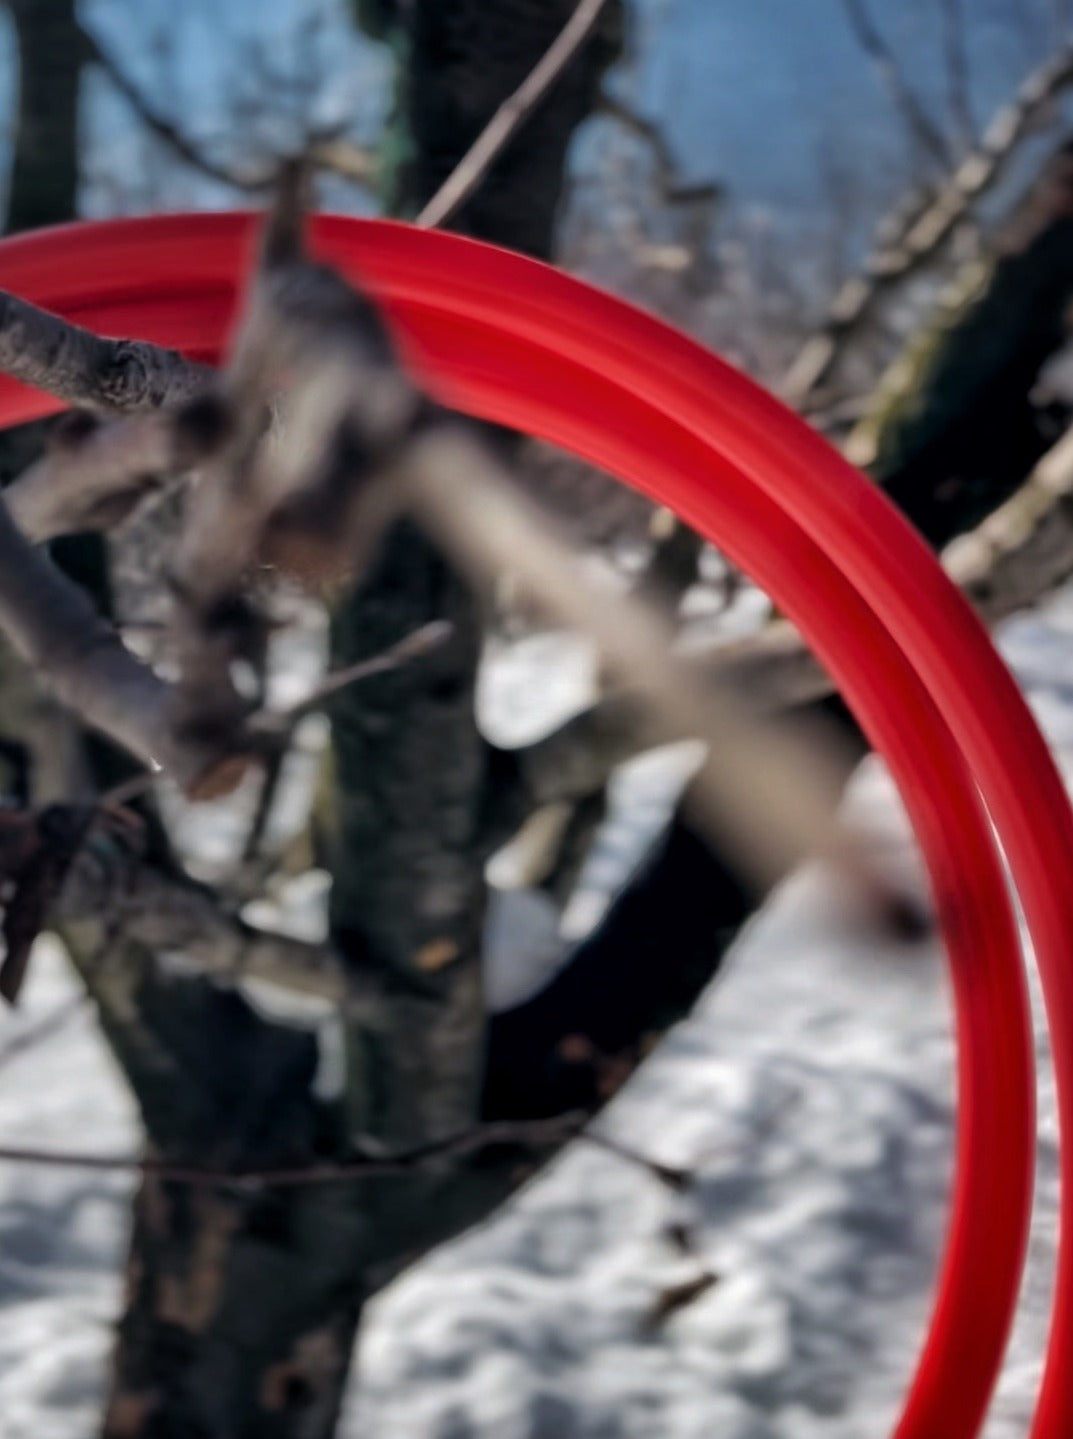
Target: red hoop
510, 340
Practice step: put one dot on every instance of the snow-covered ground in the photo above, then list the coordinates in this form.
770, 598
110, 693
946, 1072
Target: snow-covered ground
811, 1094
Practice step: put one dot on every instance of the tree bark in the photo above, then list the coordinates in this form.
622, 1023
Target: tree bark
242, 1311
44, 176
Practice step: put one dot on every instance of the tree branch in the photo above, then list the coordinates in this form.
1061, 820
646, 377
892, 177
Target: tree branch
910, 238
342, 157
511, 115
81, 368
765, 790
535, 1134
927, 136
93, 476
957, 71
53, 625
1018, 556
672, 189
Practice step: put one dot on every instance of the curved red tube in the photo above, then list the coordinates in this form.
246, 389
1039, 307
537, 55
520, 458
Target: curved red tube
511, 340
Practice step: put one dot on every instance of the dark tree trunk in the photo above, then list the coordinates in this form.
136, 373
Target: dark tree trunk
44, 175
243, 1310
961, 427
43, 190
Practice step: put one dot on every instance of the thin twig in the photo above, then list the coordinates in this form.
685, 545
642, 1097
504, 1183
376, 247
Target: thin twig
266, 801
511, 115
414, 646
930, 140
529, 1133
342, 157
164, 129
957, 71
672, 189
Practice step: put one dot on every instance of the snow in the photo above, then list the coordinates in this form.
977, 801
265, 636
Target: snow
812, 1095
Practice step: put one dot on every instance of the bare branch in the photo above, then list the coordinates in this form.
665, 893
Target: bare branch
511, 115
765, 789
342, 157
913, 237
929, 139
93, 475
672, 189
534, 1134
53, 625
81, 368
414, 646
282, 493
353, 430
277, 727
175, 138
1015, 558
168, 913
957, 71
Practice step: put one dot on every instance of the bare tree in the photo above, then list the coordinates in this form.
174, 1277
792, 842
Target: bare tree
267, 1214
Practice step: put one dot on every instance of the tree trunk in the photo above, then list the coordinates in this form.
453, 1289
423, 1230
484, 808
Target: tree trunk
242, 1311
42, 190
44, 175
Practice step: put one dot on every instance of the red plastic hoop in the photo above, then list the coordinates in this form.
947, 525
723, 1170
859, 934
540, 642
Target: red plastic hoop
510, 340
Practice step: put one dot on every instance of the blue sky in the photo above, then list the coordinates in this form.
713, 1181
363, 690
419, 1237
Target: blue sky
771, 97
